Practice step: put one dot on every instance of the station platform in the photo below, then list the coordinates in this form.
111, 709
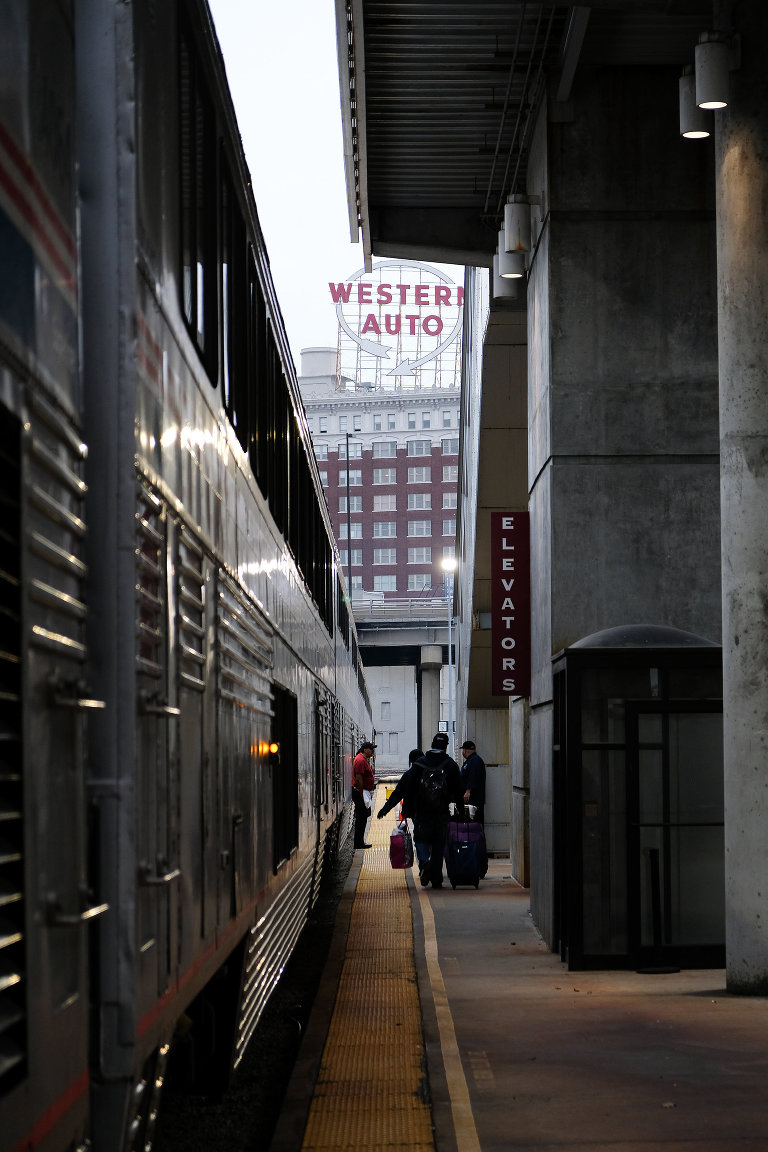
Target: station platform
443, 1022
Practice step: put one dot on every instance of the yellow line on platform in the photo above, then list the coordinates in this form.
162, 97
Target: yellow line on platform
458, 1092
371, 1093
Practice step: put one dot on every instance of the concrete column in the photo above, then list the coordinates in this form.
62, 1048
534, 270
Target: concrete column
742, 238
430, 663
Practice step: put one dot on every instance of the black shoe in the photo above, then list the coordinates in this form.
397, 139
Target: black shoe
437, 885
363, 845
423, 877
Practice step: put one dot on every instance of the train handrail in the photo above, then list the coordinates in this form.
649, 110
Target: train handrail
56, 918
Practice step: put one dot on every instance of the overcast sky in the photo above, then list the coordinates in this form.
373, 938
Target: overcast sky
282, 69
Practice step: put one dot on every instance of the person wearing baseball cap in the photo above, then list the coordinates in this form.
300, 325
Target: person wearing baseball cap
362, 779
473, 779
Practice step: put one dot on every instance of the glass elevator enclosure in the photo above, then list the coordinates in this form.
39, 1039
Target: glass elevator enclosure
638, 800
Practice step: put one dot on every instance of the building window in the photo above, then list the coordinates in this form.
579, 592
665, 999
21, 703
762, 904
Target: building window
323, 420
385, 503
449, 552
411, 419
419, 447
355, 503
392, 749
357, 557
355, 450
419, 527
451, 446
355, 478
357, 423
356, 584
446, 419
450, 473
419, 555
384, 448
321, 451
426, 419
324, 479
311, 423
377, 421
419, 501
449, 499
419, 582
420, 475
385, 555
385, 475
357, 530
449, 527
390, 421
342, 423
386, 710
385, 528
385, 583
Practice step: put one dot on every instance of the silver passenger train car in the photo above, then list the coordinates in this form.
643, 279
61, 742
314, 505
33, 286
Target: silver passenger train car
181, 688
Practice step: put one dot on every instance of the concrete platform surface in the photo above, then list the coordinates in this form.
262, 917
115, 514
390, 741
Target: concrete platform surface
524, 1055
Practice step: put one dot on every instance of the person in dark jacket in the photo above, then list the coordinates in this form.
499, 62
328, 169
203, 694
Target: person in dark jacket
473, 779
403, 789
434, 784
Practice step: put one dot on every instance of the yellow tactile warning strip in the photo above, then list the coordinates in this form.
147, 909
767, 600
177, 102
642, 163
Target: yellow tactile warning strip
371, 1090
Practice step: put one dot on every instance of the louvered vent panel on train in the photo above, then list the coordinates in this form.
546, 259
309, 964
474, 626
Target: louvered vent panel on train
13, 1006
191, 619
245, 650
149, 584
270, 941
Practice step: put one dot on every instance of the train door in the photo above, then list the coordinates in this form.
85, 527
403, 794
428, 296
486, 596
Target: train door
46, 903
158, 869
193, 578
244, 657
285, 777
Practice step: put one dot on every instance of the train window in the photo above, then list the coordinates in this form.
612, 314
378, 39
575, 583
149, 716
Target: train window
198, 197
234, 313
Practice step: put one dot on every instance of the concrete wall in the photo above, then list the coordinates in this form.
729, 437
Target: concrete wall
623, 444
396, 736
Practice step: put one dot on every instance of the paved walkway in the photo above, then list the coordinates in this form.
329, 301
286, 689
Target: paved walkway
521, 1054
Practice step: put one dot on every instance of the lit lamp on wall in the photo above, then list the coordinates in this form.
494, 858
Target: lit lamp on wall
695, 123
705, 87
511, 264
714, 60
449, 566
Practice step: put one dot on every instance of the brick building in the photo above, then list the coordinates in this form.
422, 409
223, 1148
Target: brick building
396, 495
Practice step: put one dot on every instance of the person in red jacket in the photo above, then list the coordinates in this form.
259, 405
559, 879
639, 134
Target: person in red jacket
362, 777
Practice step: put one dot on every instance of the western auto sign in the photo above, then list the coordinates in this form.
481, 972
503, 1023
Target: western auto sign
510, 604
404, 314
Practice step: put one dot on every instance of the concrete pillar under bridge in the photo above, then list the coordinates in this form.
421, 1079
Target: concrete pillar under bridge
430, 663
742, 240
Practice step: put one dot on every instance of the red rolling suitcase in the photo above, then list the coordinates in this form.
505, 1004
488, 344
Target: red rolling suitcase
400, 846
466, 856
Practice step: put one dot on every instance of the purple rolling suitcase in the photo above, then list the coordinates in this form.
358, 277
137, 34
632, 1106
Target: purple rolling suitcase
466, 857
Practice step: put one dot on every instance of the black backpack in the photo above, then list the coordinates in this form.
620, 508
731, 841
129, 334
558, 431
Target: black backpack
432, 796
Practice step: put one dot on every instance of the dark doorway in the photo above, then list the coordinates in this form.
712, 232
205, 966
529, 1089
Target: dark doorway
637, 817
676, 854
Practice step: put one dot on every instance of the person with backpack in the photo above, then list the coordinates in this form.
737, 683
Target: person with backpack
437, 785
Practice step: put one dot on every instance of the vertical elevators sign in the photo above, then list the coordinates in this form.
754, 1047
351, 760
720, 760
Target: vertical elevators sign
510, 604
